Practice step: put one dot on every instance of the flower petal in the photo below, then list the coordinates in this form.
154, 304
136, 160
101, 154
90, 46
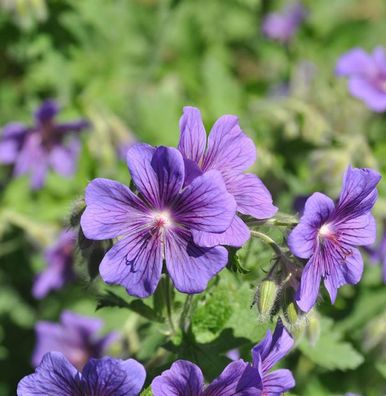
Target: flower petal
358, 193
9, 150
302, 238
358, 231
205, 204
64, 159
251, 196
363, 89
238, 378
278, 382
348, 271
46, 112
236, 235
355, 62
193, 136
229, 148
157, 173
309, 286
54, 376
191, 266
182, 379
134, 262
273, 347
111, 209
116, 377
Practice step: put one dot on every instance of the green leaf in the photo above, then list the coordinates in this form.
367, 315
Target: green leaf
110, 299
330, 351
147, 392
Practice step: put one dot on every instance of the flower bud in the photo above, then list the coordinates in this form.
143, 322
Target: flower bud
313, 328
266, 297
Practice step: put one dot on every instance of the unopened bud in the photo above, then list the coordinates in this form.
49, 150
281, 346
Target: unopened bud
292, 314
313, 328
266, 297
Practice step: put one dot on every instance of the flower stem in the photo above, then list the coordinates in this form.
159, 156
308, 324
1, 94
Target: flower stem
268, 240
186, 313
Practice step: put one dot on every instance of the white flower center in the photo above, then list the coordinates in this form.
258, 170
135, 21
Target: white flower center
324, 231
162, 219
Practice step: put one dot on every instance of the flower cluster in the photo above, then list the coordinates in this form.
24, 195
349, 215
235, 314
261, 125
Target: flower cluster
183, 211
47, 144
115, 377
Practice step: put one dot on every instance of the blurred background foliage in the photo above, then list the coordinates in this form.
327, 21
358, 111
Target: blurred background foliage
129, 66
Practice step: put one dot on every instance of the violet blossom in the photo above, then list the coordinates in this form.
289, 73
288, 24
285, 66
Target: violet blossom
238, 378
56, 376
230, 151
47, 144
367, 76
282, 26
266, 354
59, 258
157, 223
76, 336
328, 235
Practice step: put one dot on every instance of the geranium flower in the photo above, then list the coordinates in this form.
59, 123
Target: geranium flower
59, 270
156, 224
367, 76
238, 378
282, 26
76, 336
266, 354
329, 232
230, 152
47, 144
107, 376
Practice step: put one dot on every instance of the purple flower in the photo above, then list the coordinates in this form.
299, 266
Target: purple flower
266, 354
107, 376
329, 232
231, 152
282, 26
377, 252
238, 378
75, 336
367, 76
157, 224
185, 378
45, 145
59, 271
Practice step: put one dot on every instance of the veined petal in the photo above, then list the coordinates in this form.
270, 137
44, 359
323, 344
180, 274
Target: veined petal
138, 158
273, 347
347, 271
190, 266
359, 231
317, 211
309, 286
113, 377
238, 378
111, 209
182, 379
168, 165
134, 262
251, 196
54, 376
358, 194
278, 382
236, 235
205, 204
229, 148
193, 136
